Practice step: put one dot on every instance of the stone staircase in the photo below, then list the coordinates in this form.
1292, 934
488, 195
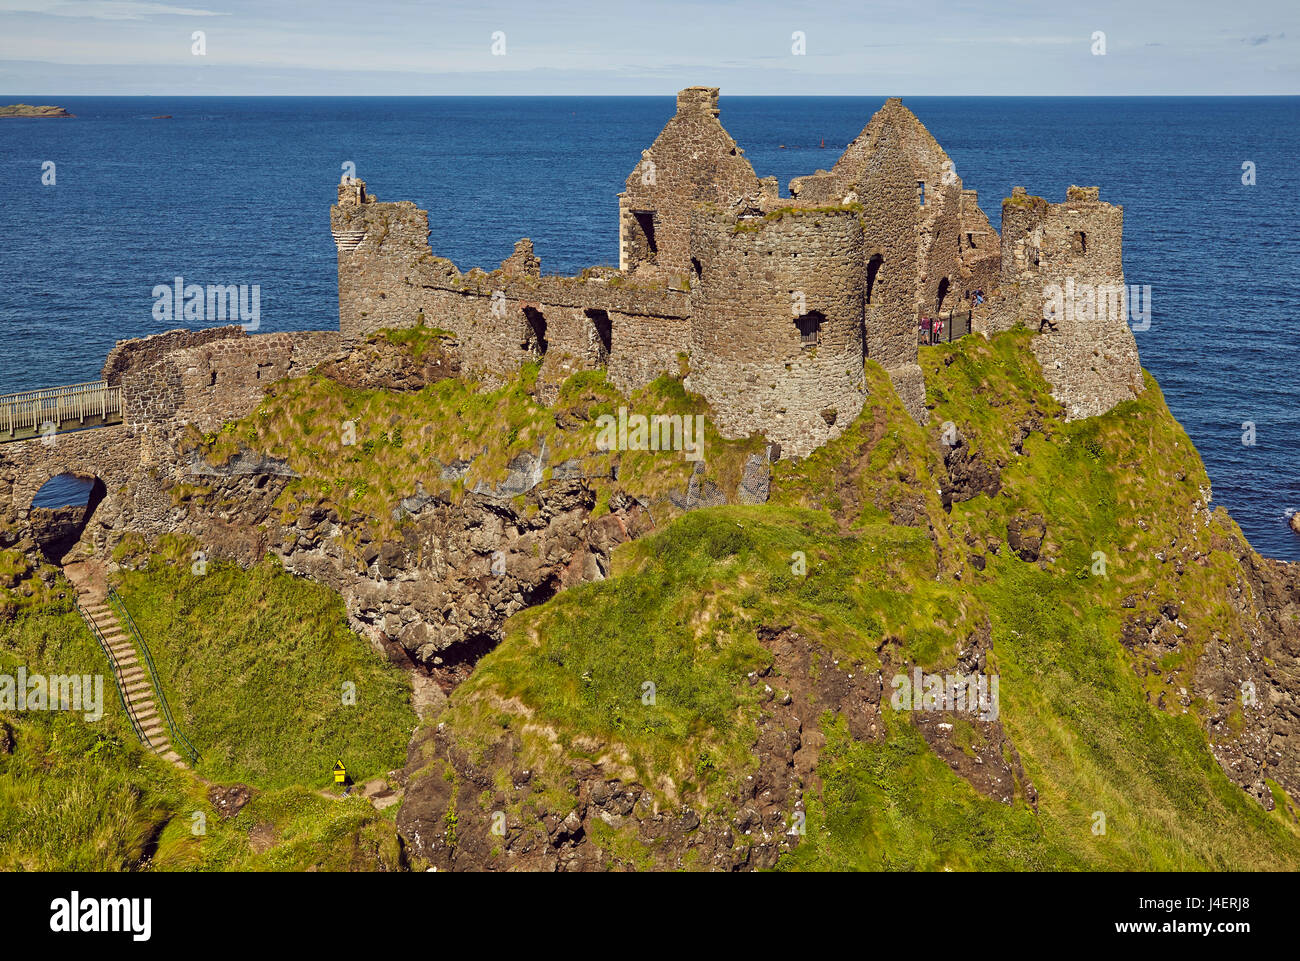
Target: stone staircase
132, 677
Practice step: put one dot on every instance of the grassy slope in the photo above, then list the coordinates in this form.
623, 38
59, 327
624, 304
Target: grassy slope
77, 795
684, 609
401, 438
254, 664
682, 612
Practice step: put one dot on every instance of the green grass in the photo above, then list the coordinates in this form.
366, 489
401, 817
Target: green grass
254, 661
683, 608
255, 665
418, 340
401, 438
86, 796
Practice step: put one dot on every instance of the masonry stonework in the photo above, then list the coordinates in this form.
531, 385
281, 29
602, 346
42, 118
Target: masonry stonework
774, 304
776, 323
169, 381
1062, 273
692, 161
710, 256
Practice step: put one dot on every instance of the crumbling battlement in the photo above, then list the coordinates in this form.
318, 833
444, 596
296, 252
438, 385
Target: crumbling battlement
207, 377
1062, 272
692, 161
714, 264
169, 382
913, 193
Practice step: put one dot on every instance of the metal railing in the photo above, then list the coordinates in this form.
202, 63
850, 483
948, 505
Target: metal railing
117, 673
953, 325
179, 741
56, 409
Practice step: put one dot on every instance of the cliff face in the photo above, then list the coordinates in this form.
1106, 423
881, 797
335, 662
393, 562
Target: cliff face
435, 509
615, 678
728, 699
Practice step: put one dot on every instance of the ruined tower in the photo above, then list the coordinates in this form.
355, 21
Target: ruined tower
693, 160
776, 335
1063, 273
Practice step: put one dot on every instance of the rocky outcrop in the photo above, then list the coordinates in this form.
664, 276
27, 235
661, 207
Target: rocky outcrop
761, 816
24, 111
438, 592
1025, 536
433, 592
1253, 682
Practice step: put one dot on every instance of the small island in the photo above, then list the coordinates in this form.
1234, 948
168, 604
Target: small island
23, 111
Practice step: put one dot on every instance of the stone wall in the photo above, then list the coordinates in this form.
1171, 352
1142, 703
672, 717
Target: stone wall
923, 246
112, 454
209, 376
931, 243
151, 391
1086, 348
776, 324
389, 278
167, 383
886, 189
226, 379
693, 160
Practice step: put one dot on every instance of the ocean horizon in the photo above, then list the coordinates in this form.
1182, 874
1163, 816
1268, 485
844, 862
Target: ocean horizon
237, 190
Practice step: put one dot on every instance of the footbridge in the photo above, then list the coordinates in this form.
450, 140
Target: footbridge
57, 410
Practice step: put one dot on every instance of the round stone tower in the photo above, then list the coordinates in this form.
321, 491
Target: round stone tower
776, 335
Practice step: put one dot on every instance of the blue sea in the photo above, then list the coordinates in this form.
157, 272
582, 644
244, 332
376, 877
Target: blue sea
237, 191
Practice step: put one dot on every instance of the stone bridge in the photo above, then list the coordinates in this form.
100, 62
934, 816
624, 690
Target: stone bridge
153, 387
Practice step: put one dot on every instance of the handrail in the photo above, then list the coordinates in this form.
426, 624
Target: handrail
117, 672
46, 392
31, 410
179, 740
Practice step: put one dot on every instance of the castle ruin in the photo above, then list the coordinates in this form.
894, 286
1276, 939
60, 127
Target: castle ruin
771, 303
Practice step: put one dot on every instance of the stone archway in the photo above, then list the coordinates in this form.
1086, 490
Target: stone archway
113, 455
60, 511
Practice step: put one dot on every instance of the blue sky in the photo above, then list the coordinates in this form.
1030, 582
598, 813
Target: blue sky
396, 47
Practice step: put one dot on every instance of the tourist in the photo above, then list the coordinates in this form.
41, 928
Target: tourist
1049, 318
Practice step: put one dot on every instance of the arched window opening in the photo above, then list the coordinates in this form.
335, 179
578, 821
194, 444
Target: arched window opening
60, 511
873, 271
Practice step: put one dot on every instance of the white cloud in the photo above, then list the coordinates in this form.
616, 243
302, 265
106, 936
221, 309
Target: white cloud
102, 9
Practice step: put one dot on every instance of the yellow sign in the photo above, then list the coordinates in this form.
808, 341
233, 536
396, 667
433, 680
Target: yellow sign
340, 773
